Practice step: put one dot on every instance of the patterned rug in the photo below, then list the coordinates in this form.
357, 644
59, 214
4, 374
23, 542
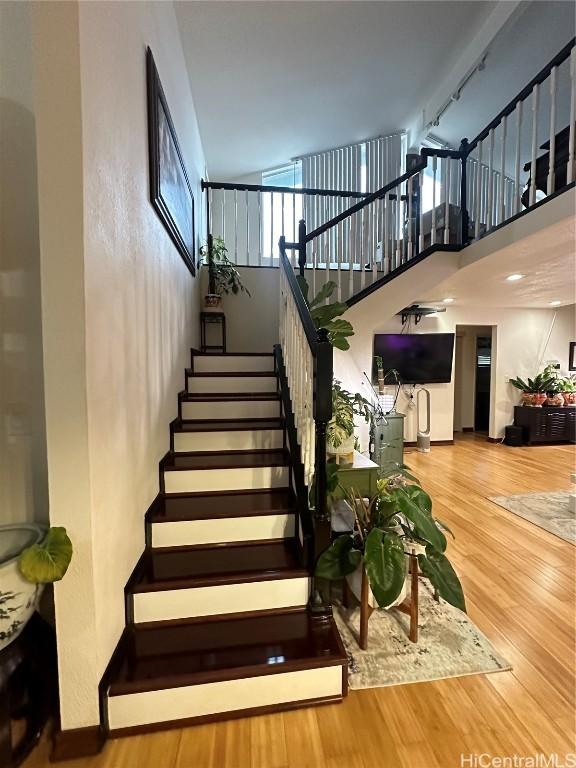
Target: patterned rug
449, 645
546, 510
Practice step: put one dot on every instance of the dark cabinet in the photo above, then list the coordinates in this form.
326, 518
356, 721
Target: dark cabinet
546, 424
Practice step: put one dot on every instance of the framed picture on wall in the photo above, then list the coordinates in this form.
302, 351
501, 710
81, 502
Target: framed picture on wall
572, 356
170, 190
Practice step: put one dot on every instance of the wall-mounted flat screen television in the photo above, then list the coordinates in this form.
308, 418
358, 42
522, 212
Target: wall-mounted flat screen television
419, 358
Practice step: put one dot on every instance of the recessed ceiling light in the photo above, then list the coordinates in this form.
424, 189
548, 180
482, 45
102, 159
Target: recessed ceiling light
555, 303
513, 278
447, 301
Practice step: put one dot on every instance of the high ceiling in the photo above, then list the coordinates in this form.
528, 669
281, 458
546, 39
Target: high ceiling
272, 80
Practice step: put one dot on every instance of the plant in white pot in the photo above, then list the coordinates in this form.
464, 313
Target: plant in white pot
30, 557
340, 438
223, 277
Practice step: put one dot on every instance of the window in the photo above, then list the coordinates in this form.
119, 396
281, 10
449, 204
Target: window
281, 211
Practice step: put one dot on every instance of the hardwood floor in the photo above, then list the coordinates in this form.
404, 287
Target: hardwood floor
519, 585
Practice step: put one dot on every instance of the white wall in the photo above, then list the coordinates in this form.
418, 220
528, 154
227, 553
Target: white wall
252, 323
120, 307
23, 472
520, 347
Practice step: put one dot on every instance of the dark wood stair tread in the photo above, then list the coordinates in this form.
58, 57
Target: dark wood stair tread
153, 657
231, 354
196, 566
220, 396
223, 425
224, 460
206, 506
230, 374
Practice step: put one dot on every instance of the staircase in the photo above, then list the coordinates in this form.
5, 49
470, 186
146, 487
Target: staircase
217, 624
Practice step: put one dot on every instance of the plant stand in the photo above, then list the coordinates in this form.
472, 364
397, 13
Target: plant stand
207, 318
28, 689
409, 606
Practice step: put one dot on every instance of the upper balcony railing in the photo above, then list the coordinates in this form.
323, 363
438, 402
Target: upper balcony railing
446, 199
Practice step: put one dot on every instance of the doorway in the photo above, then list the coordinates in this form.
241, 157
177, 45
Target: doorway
472, 378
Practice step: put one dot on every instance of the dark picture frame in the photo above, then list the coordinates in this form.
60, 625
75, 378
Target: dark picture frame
170, 191
572, 356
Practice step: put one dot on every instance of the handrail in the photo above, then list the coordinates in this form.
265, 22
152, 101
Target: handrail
238, 187
524, 93
379, 193
302, 307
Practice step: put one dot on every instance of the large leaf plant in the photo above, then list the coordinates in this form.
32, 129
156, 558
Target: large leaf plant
48, 561
328, 315
543, 382
386, 528
345, 406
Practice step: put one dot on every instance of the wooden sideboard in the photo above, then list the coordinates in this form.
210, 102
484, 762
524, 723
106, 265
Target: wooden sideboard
546, 424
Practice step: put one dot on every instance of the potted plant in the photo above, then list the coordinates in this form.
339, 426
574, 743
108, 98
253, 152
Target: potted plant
568, 390
534, 390
394, 523
327, 316
30, 557
340, 436
223, 277
380, 373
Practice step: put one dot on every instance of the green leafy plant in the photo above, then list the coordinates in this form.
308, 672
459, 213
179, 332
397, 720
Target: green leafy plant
541, 383
345, 406
567, 384
223, 275
328, 315
398, 516
48, 561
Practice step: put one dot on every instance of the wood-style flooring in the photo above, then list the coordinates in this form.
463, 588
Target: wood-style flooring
519, 585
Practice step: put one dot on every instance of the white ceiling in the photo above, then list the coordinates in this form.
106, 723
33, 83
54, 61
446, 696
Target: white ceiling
547, 258
538, 32
272, 80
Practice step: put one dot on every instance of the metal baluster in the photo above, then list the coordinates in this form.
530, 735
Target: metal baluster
304, 214
328, 240
502, 170
420, 211
571, 169
236, 226
535, 102
478, 201
386, 244
351, 236
410, 227
398, 228
552, 153
490, 202
283, 230
247, 230
259, 228
434, 172
271, 227
517, 190
447, 204
222, 219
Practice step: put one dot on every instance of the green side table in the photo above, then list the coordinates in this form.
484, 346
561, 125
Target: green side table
361, 475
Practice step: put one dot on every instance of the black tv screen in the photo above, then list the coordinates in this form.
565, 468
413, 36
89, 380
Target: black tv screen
419, 358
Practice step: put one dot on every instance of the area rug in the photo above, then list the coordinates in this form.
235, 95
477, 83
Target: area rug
449, 645
546, 510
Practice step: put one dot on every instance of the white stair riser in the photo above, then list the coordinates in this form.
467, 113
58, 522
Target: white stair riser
223, 696
227, 598
241, 440
228, 384
231, 409
221, 364
185, 533
195, 480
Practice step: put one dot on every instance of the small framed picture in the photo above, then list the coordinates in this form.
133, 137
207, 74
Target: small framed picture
572, 356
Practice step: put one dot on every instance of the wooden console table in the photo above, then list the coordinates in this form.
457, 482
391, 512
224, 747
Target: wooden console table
546, 424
